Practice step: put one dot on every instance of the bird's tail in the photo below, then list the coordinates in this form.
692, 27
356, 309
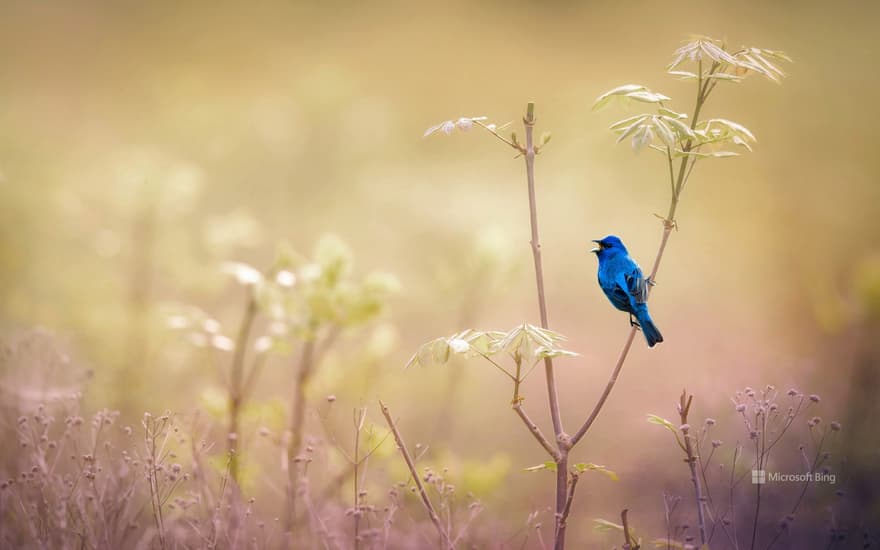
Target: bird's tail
650, 330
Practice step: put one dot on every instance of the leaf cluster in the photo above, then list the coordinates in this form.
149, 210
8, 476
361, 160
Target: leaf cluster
524, 344
673, 133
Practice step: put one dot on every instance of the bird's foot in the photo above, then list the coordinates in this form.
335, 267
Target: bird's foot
650, 281
633, 322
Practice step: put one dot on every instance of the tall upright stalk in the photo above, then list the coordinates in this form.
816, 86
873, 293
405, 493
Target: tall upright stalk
678, 179
297, 418
684, 408
236, 386
561, 457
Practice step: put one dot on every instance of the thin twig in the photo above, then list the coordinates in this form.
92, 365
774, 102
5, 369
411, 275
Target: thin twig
306, 363
360, 416
495, 133
535, 430
401, 446
516, 404
605, 393
562, 520
629, 543
684, 408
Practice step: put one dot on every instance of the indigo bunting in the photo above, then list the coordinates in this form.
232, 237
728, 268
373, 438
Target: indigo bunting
622, 282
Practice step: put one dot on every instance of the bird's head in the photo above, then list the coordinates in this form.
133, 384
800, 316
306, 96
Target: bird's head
608, 247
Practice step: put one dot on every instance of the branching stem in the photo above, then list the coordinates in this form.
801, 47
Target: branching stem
401, 446
677, 182
684, 408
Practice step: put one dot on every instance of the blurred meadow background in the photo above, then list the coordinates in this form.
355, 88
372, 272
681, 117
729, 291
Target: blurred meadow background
144, 145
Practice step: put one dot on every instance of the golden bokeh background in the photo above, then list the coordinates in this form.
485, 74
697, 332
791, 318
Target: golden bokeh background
143, 144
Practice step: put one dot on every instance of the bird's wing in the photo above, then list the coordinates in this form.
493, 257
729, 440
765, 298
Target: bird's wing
618, 295
636, 285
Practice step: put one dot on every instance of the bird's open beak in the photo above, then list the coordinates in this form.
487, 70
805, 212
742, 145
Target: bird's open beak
597, 249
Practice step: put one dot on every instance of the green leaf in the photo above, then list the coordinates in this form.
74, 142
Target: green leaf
582, 467
647, 96
735, 127
544, 336
603, 99
604, 526
725, 76
684, 75
644, 136
545, 138
630, 130
719, 130
629, 91
335, 258
758, 60
715, 52
435, 352
286, 258
525, 338
542, 353
664, 131
625, 123
485, 342
701, 49
549, 465
660, 421
741, 142
682, 129
670, 113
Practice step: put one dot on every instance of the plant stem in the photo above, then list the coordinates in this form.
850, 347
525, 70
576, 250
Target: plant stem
236, 393
563, 518
683, 410
669, 223
561, 439
628, 543
297, 417
817, 461
609, 386
760, 446
529, 122
401, 446
535, 430
360, 416
517, 405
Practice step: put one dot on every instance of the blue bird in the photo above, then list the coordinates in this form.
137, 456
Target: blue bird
622, 282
